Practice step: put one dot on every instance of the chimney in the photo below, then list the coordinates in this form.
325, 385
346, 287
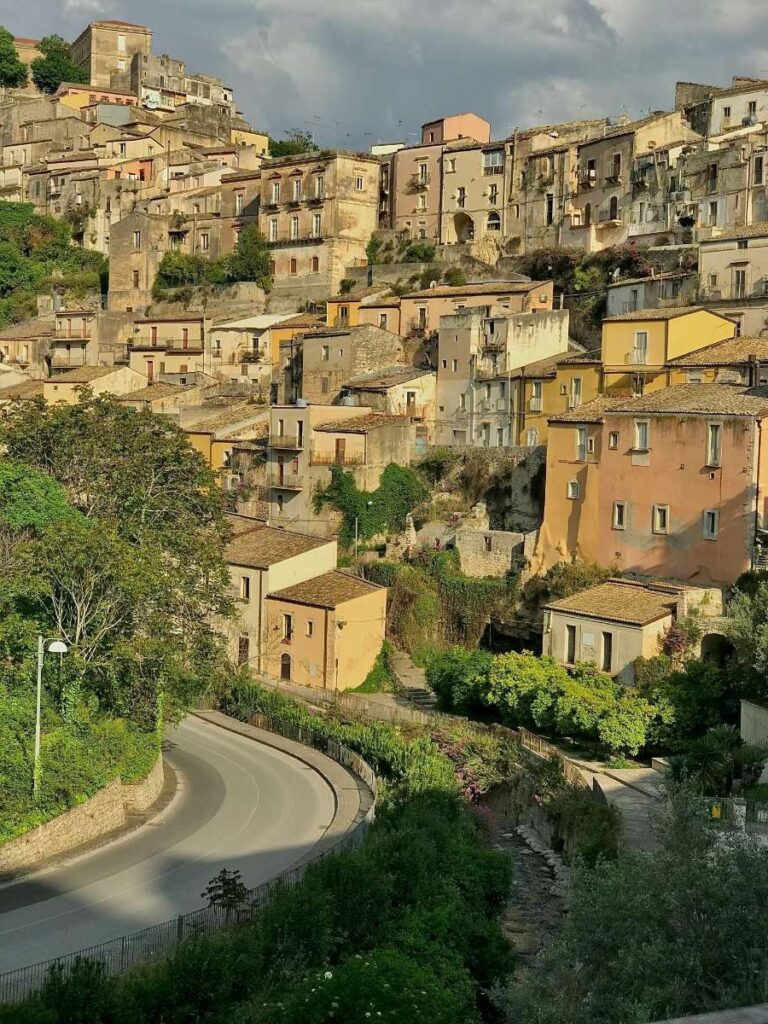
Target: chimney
753, 370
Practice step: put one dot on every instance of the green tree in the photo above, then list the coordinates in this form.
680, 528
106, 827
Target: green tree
13, 73
55, 65
250, 260
294, 143
30, 500
748, 632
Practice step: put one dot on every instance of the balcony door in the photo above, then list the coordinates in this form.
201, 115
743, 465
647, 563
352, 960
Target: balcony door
341, 449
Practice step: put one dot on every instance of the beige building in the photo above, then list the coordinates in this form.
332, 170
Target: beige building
473, 201
478, 353
331, 358
401, 391
733, 276
317, 213
107, 47
421, 311
137, 244
100, 380
168, 345
326, 631
262, 559
672, 288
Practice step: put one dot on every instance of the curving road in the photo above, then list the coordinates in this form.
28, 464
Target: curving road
239, 805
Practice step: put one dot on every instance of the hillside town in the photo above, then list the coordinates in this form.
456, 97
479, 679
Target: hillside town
437, 467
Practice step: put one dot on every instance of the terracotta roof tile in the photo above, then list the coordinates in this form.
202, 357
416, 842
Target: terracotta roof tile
24, 390
361, 424
732, 352
663, 313
326, 591
82, 375
479, 288
263, 546
759, 230
679, 400
618, 601
385, 378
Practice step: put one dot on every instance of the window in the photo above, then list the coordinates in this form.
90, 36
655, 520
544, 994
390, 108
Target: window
121, 149
550, 208
532, 437
294, 227
613, 440
619, 515
296, 189
570, 645
325, 352
493, 194
462, 401
317, 220
607, 659
613, 208
575, 399
494, 221
239, 203
422, 317
455, 365
493, 162
450, 165
640, 352
581, 444
423, 173
383, 321
713, 212
245, 588
726, 112
325, 386
121, 64
293, 267
488, 543
287, 628
243, 650
641, 435
319, 186
573, 490
153, 335
273, 229
421, 201
275, 191
537, 391
205, 241
310, 628
461, 197
315, 265
587, 215
739, 284
758, 174
711, 523
752, 108
136, 279
742, 243
359, 183
121, 43
714, 436
616, 166
136, 240
660, 522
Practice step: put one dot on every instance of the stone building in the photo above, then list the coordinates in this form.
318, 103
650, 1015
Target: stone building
137, 244
673, 288
107, 47
733, 276
473, 200
331, 358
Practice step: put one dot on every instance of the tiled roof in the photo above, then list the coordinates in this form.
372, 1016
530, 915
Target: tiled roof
304, 320
36, 327
361, 424
759, 230
263, 546
26, 389
81, 375
732, 352
581, 359
616, 601
663, 313
667, 275
385, 378
679, 400
155, 391
221, 419
326, 591
479, 288
540, 368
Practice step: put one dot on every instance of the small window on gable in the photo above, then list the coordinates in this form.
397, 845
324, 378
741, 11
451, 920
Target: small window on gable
619, 515
574, 490
710, 523
661, 519
613, 440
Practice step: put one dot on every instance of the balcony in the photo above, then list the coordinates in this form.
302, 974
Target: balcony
418, 182
322, 458
290, 442
76, 334
285, 481
587, 179
67, 360
250, 356
637, 357
315, 200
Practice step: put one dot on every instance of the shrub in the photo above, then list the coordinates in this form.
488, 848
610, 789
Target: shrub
455, 277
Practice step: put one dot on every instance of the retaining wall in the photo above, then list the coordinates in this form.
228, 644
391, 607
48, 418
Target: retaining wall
103, 813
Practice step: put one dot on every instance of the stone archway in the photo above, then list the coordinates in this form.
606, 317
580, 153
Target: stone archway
716, 648
464, 227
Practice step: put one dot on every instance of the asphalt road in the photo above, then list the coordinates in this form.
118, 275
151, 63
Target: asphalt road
239, 805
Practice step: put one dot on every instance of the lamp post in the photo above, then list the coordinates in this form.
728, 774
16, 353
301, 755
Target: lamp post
54, 647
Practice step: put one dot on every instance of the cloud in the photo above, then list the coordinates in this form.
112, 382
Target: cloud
363, 72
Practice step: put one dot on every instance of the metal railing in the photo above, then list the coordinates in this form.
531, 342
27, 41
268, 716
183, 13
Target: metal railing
291, 441
156, 942
336, 459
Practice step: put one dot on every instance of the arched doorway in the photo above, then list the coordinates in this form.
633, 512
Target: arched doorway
493, 223
613, 208
285, 667
464, 227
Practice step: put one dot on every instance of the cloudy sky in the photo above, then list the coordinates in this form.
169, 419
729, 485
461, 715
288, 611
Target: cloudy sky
361, 71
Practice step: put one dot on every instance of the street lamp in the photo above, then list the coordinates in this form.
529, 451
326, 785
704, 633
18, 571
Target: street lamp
54, 647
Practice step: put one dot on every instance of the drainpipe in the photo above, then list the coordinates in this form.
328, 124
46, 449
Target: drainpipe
260, 657
325, 648
757, 492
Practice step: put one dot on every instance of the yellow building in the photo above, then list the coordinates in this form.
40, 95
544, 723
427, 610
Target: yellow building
101, 380
550, 387
291, 329
740, 360
213, 431
249, 137
636, 347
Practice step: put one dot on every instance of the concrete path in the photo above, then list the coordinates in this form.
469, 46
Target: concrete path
241, 805
636, 793
413, 681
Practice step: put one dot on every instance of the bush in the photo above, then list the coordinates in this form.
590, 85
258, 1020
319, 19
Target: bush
455, 277
382, 511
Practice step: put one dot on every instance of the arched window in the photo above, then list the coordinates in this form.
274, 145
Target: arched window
493, 223
587, 215
294, 268
285, 667
315, 265
613, 209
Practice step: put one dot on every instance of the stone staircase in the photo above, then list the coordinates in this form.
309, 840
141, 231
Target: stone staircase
412, 682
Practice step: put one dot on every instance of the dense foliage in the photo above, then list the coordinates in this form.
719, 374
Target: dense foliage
111, 533
538, 693
250, 260
36, 253
653, 936
406, 927
295, 143
382, 511
13, 72
55, 65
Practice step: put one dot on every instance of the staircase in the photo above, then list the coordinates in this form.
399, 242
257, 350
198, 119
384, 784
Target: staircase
412, 682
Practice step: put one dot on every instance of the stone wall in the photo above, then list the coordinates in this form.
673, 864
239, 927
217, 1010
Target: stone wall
103, 813
488, 552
